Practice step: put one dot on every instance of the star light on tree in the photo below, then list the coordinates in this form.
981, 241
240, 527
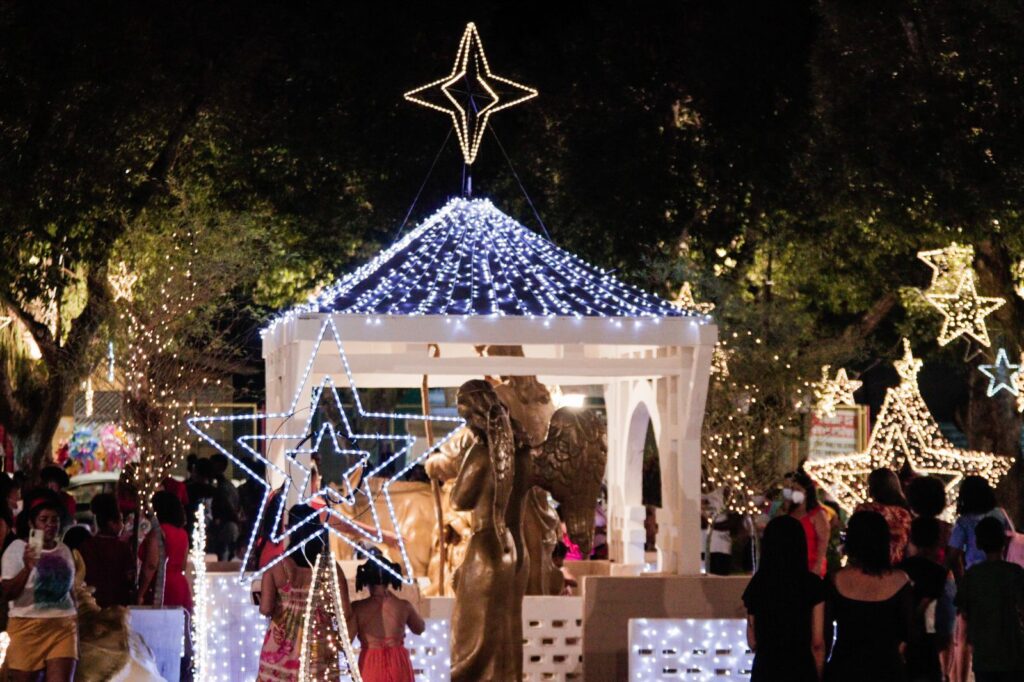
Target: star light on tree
293, 441
905, 435
684, 300
829, 393
948, 265
964, 311
122, 281
1002, 376
470, 94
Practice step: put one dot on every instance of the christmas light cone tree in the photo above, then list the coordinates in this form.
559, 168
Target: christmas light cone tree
326, 652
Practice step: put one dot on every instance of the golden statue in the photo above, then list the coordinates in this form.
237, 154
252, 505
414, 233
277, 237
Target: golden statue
485, 645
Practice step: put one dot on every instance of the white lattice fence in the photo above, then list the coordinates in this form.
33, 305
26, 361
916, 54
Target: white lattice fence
553, 639
691, 649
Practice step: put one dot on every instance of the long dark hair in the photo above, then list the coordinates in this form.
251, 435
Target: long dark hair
884, 488
6, 488
811, 490
303, 524
975, 497
783, 564
867, 542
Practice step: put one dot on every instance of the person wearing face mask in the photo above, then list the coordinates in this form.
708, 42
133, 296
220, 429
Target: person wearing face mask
801, 502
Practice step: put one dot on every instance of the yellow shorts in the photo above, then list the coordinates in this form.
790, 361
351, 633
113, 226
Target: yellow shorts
34, 641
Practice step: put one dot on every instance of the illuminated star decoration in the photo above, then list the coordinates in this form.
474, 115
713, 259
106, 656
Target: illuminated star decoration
1002, 376
684, 300
948, 266
905, 434
829, 393
964, 311
464, 105
122, 282
199, 425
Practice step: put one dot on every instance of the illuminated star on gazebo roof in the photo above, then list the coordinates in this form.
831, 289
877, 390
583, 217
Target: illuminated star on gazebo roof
470, 94
964, 311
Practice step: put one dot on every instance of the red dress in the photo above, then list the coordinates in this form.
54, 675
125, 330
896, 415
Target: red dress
807, 521
176, 590
384, 660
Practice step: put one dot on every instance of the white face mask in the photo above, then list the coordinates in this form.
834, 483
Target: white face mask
787, 493
798, 497
18, 507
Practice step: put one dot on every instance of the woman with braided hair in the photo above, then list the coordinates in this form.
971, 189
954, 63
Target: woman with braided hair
380, 622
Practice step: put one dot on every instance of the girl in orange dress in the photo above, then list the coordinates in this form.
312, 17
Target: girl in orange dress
380, 622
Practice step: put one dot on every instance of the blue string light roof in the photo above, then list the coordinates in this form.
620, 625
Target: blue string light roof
469, 258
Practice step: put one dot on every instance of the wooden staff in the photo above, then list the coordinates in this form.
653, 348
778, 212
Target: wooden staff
434, 351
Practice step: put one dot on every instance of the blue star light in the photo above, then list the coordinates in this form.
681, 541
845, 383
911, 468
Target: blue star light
1002, 376
404, 444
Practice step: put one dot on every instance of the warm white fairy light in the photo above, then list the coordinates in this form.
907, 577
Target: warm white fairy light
685, 300
905, 434
328, 628
469, 258
1002, 376
948, 265
830, 393
89, 395
470, 122
201, 606
122, 281
964, 311
402, 443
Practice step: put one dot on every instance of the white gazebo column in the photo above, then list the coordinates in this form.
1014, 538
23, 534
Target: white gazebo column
689, 412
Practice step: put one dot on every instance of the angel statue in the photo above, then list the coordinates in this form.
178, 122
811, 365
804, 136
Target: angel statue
484, 643
496, 480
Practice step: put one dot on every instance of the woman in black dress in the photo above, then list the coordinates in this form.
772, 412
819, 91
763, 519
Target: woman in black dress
872, 604
785, 609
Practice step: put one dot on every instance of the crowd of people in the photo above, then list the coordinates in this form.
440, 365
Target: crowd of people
893, 593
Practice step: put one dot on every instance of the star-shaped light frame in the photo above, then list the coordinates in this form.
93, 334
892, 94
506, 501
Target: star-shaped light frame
122, 281
684, 300
1002, 376
964, 311
948, 265
470, 125
829, 393
905, 434
199, 424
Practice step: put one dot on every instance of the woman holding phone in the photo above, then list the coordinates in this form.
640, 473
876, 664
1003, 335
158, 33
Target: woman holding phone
38, 573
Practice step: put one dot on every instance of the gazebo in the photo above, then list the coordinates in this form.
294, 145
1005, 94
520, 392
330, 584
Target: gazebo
471, 275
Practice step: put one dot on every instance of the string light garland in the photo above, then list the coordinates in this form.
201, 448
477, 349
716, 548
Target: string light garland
251, 445
470, 68
324, 628
201, 608
1002, 376
469, 258
905, 434
964, 311
828, 393
89, 395
948, 265
684, 300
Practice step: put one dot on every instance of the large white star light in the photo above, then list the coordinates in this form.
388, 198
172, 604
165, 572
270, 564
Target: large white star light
1002, 376
293, 441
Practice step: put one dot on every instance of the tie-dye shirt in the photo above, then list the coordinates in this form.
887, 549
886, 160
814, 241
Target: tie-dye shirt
47, 593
